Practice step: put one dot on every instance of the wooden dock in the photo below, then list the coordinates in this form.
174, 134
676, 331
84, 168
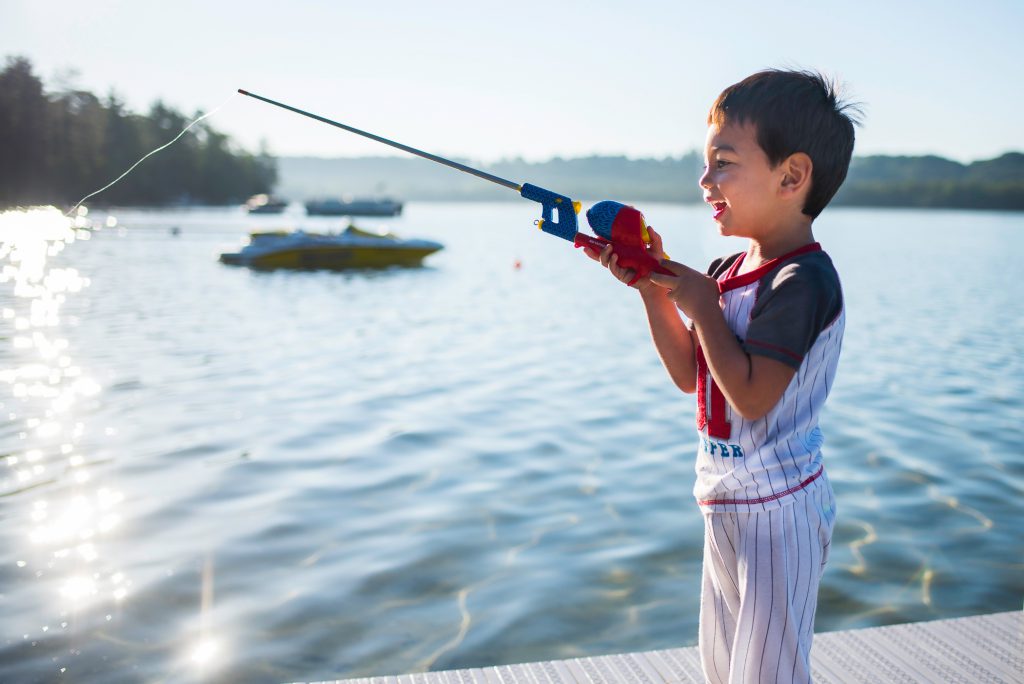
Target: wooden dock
973, 650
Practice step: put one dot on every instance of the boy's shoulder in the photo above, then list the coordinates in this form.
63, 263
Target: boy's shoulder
808, 283
795, 303
814, 270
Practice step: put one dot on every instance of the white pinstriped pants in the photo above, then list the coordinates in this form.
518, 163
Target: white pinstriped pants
760, 589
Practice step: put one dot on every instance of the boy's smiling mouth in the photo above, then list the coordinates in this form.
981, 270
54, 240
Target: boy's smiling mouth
719, 208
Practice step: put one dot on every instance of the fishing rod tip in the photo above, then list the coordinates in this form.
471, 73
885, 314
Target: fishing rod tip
244, 92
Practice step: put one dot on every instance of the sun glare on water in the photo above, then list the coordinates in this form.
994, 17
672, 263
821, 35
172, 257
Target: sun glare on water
64, 533
68, 520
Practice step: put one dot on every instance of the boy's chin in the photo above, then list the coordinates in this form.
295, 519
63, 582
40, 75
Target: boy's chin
727, 230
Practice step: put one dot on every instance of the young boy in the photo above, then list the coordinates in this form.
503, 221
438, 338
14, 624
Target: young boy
760, 350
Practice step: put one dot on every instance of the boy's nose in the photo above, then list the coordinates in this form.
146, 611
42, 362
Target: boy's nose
705, 181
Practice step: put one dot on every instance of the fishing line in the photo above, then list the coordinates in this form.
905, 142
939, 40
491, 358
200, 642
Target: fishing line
164, 146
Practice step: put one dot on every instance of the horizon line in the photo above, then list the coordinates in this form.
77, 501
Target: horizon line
669, 157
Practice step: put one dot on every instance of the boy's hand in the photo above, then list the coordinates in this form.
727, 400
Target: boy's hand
626, 275
692, 291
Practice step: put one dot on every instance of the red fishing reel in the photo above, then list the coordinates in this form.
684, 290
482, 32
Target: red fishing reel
624, 228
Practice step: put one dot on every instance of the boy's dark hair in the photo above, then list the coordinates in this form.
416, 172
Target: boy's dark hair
795, 111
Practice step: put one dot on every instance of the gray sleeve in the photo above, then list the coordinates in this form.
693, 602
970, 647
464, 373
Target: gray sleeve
794, 304
722, 264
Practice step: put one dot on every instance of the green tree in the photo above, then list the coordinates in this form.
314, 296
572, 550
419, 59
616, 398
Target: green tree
23, 135
75, 144
58, 148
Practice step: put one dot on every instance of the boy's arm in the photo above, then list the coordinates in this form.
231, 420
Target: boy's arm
672, 339
752, 384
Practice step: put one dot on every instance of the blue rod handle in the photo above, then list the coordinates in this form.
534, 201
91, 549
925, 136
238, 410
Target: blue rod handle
565, 227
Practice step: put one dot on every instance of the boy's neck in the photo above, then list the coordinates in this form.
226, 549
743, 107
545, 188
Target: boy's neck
776, 243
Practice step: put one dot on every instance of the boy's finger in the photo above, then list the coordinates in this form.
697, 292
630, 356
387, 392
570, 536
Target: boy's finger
665, 281
606, 255
619, 272
656, 244
626, 275
676, 268
593, 254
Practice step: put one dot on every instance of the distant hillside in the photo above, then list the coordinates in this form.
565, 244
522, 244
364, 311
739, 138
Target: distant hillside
935, 182
926, 181
411, 178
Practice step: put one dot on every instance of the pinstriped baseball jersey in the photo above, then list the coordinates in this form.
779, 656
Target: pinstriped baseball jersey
789, 309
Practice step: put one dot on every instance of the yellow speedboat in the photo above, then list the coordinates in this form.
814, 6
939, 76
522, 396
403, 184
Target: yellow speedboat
353, 248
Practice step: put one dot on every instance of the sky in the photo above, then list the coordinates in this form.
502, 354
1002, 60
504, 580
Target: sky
486, 80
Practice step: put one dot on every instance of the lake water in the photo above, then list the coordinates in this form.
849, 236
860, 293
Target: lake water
209, 472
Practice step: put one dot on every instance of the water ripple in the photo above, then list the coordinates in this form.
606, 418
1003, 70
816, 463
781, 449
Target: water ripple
287, 476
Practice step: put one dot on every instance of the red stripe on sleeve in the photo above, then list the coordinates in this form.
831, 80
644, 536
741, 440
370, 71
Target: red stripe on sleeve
776, 348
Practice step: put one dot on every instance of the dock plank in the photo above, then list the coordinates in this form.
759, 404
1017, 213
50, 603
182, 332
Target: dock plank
984, 649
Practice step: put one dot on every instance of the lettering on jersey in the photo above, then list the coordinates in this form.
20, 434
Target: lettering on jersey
713, 447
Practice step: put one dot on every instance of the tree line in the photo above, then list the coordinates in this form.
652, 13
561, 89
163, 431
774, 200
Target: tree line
931, 181
59, 146
880, 181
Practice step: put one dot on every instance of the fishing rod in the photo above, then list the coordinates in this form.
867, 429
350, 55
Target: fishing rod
615, 223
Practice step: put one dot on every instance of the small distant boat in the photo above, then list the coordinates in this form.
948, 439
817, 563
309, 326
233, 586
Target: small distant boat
352, 249
358, 206
265, 204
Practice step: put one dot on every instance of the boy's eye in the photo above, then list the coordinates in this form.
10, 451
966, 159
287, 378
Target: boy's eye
720, 163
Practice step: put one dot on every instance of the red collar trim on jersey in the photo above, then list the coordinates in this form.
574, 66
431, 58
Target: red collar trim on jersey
731, 281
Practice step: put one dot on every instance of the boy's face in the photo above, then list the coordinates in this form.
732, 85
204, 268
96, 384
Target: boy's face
739, 182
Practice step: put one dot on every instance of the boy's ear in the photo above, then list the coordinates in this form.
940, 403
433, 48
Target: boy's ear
796, 173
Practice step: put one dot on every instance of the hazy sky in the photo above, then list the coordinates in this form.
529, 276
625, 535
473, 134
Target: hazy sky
486, 80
